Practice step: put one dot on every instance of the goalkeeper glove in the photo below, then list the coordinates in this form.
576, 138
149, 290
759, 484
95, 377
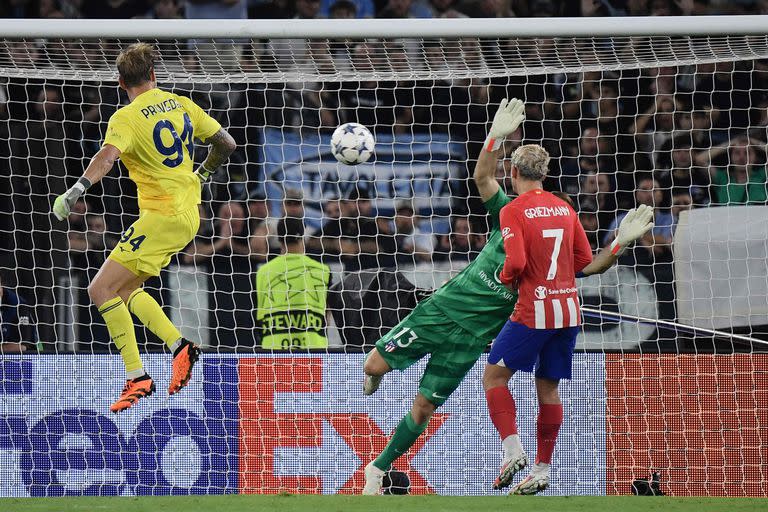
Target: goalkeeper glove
203, 174
637, 222
509, 116
62, 206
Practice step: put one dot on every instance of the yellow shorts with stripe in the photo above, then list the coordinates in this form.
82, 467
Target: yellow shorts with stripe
148, 244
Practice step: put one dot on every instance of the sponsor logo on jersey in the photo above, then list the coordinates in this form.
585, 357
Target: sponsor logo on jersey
547, 211
541, 292
493, 283
497, 273
560, 291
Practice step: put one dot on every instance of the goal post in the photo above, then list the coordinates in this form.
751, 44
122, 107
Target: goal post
670, 374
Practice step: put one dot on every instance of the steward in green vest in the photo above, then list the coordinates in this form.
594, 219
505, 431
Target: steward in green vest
291, 292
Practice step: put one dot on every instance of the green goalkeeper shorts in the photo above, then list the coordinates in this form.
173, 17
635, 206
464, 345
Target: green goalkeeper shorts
427, 330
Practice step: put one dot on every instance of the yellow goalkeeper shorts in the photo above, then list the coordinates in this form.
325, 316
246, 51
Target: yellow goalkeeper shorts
149, 243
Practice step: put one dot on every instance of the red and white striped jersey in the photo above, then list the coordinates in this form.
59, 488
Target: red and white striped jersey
545, 247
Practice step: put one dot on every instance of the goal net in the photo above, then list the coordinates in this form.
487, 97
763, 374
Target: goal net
670, 373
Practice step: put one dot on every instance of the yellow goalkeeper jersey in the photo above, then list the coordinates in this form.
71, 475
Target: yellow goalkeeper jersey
155, 134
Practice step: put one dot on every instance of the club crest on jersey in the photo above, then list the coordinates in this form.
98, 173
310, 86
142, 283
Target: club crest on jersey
505, 233
541, 292
390, 347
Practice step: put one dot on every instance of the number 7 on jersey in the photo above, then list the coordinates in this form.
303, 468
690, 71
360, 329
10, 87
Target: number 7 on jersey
557, 234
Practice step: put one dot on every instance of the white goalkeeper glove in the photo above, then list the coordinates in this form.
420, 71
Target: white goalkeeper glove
203, 174
636, 223
509, 116
62, 206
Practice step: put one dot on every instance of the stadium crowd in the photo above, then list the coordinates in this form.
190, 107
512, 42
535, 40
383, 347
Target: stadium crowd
674, 138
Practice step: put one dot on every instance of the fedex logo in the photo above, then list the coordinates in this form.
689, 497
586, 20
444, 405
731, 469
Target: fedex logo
305, 446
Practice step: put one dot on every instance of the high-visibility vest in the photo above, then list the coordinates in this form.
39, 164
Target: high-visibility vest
291, 293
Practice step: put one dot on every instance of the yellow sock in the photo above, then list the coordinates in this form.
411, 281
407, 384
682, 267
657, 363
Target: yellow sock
120, 326
149, 313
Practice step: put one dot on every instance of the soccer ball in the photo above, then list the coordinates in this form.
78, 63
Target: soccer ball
352, 144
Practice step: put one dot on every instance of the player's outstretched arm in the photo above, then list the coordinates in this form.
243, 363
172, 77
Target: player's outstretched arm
222, 146
636, 223
509, 116
99, 166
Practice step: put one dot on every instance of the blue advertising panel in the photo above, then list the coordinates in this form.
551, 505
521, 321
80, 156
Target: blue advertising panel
58, 438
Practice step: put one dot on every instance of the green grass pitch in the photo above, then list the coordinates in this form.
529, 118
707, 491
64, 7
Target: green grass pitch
290, 503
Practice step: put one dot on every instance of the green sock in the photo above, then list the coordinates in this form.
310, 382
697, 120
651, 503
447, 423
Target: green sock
405, 435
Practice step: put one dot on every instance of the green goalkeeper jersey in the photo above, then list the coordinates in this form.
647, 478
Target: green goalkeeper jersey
475, 299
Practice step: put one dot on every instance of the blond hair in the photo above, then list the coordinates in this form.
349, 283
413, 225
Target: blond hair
532, 162
135, 64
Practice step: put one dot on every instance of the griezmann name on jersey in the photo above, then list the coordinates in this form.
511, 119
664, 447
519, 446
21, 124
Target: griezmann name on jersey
545, 247
476, 299
155, 135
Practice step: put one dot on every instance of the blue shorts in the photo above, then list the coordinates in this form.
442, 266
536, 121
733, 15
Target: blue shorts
519, 347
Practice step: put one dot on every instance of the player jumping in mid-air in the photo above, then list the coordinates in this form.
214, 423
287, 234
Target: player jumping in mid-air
460, 319
153, 136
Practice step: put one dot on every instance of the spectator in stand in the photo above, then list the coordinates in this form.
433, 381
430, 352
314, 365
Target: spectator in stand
730, 88
445, 9
591, 224
341, 9
413, 243
487, 9
18, 326
676, 8
313, 242
115, 9
384, 106
648, 191
461, 245
291, 293
637, 8
216, 9
258, 228
681, 202
166, 10
230, 236
293, 204
76, 235
593, 156
397, 9
743, 180
654, 127
99, 241
683, 173
352, 239
16, 9
270, 9
226, 53
541, 8
598, 193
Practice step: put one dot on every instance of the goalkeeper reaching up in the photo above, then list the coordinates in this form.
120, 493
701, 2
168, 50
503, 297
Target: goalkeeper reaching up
456, 324
153, 136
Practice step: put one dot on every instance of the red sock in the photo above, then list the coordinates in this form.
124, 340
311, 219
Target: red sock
501, 405
547, 427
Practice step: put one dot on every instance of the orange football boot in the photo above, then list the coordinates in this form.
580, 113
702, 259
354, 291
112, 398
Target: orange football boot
184, 360
133, 391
